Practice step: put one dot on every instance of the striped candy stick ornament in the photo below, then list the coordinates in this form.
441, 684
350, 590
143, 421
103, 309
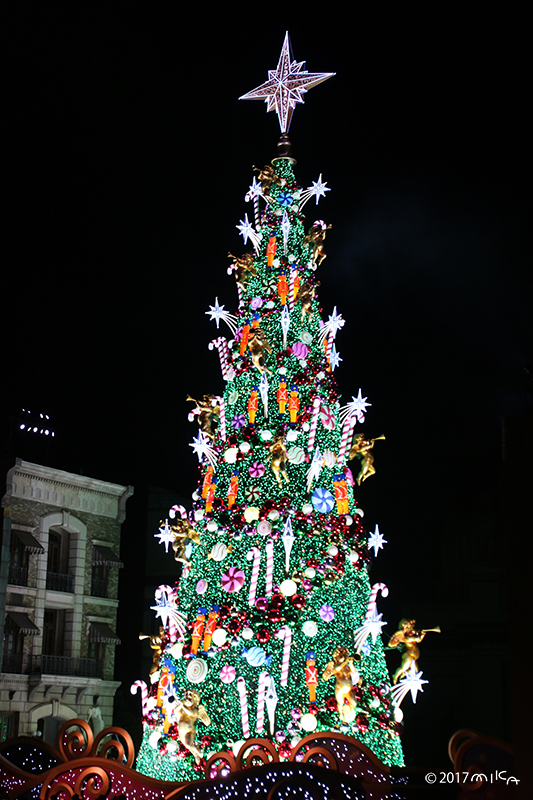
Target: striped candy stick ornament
222, 406
221, 344
241, 688
177, 509
144, 694
269, 550
285, 633
254, 554
260, 722
314, 423
349, 425
377, 587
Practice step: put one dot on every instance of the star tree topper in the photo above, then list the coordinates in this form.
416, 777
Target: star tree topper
286, 86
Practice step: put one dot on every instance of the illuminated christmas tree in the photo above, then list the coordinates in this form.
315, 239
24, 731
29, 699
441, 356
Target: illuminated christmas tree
272, 629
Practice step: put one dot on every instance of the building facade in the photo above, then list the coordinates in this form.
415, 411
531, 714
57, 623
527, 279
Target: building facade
59, 592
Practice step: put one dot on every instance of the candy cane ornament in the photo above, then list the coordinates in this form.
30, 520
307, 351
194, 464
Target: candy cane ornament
261, 687
314, 423
285, 633
254, 554
177, 509
144, 694
221, 345
269, 550
377, 587
241, 688
347, 431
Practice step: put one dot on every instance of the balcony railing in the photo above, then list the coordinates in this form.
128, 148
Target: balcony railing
59, 582
63, 665
12, 663
99, 587
18, 576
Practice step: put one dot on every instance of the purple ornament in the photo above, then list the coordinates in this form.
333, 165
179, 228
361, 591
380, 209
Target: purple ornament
238, 421
256, 303
326, 613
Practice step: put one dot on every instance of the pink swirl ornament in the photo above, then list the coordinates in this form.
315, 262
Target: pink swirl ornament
326, 613
300, 350
264, 527
227, 674
233, 580
256, 470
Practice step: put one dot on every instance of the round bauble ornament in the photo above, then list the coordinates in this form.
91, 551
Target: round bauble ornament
247, 633
251, 514
273, 515
288, 587
277, 600
353, 556
362, 722
298, 601
224, 612
266, 435
212, 526
176, 651
348, 519
308, 722
230, 456
264, 527
274, 615
263, 635
310, 628
359, 512
333, 550
233, 397
307, 508
198, 514
201, 586
398, 714
306, 337
172, 746
261, 604
219, 637
233, 626
331, 705
256, 470
310, 573
244, 447
196, 670
153, 739
285, 750
291, 435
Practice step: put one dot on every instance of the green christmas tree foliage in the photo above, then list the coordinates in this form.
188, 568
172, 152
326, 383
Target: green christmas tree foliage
274, 555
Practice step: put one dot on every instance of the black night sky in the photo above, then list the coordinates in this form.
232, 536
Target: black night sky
128, 159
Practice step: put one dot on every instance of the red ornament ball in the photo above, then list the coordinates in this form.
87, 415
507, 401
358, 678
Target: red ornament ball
234, 626
285, 750
274, 615
224, 612
362, 722
277, 600
261, 604
263, 635
298, 601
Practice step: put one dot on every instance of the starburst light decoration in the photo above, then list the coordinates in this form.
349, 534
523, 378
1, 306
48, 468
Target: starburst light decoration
371, 627
202, 448
165, 609
411, 683
332, 326
247, 231
376, 540
355, 408
317, 190
286, 86
218, 312
165, 535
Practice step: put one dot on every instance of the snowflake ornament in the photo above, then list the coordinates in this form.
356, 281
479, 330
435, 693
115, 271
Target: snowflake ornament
376, 540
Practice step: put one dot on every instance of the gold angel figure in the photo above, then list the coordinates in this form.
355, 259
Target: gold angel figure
410, 638
306, 294
244, 267
361, 448
183, 533
342, 668
267, 176
315, 239
278, 459
156, 643
187, 711
207, 409
258, 345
